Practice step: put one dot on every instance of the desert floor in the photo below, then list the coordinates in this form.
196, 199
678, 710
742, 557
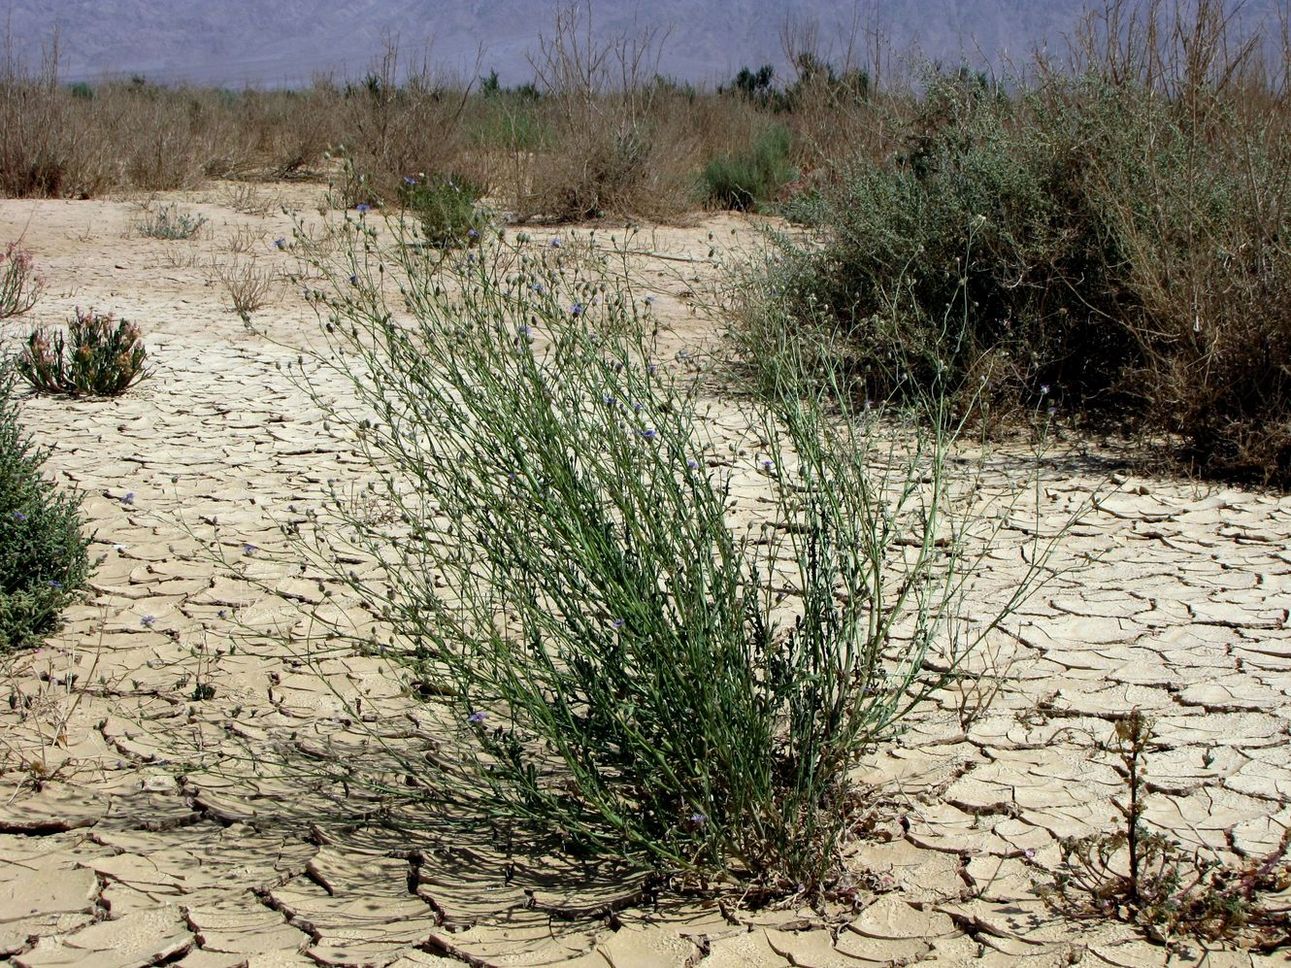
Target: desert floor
114, 855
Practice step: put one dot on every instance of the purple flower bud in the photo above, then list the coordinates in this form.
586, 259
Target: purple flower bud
617, 624
649, 433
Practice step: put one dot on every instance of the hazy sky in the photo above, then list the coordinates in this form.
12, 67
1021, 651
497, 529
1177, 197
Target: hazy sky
236, 42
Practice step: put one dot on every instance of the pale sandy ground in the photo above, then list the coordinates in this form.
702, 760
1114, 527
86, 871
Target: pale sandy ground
121, 859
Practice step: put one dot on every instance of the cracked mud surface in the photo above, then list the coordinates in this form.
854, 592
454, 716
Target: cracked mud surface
114, 855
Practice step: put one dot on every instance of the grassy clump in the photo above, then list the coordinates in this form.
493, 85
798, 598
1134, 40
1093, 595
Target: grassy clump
43, 555
623, 671
104, 357
744, 181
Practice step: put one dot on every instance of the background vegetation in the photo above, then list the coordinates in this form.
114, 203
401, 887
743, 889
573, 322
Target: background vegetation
1106, 233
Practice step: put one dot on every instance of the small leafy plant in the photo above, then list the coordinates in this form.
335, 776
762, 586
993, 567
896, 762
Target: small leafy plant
1142, 876
171, 223
99, 356
20, 286
447, 209
43, 555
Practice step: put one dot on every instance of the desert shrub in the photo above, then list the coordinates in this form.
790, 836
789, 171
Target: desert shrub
247, 284
20, 285
615, 673
103, 358
447, 208
43, 555
743, 181
170, 223
1108, 243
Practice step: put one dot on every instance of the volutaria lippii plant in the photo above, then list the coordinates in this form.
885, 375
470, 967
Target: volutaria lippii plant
626, 668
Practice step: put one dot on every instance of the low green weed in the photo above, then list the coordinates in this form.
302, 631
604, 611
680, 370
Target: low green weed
1143, 876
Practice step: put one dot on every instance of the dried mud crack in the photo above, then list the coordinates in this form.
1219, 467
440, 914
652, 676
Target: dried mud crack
114, 854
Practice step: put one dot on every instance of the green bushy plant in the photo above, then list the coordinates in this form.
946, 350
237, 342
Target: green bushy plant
747, 179
103, 358
20, 285
447, 207
1093, 242
619, 669
43, 554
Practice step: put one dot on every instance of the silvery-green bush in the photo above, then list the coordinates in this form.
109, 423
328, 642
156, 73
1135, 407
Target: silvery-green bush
624, 668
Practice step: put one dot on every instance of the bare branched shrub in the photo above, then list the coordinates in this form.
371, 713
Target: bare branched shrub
248, 285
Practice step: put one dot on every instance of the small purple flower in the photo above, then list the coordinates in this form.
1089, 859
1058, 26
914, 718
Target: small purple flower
649, 300
525, 331
354, 280
148, 621
692, 464
222, 614
539, 288
409, 180
249, 549
476, 718
472, 234
362, 207
576, 309
649, 433
652, 368
698, 819
55, 584
556, 243
19, 516
127, 497
1044, 389
280, 242
1029, 853
768, 466
617, 624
